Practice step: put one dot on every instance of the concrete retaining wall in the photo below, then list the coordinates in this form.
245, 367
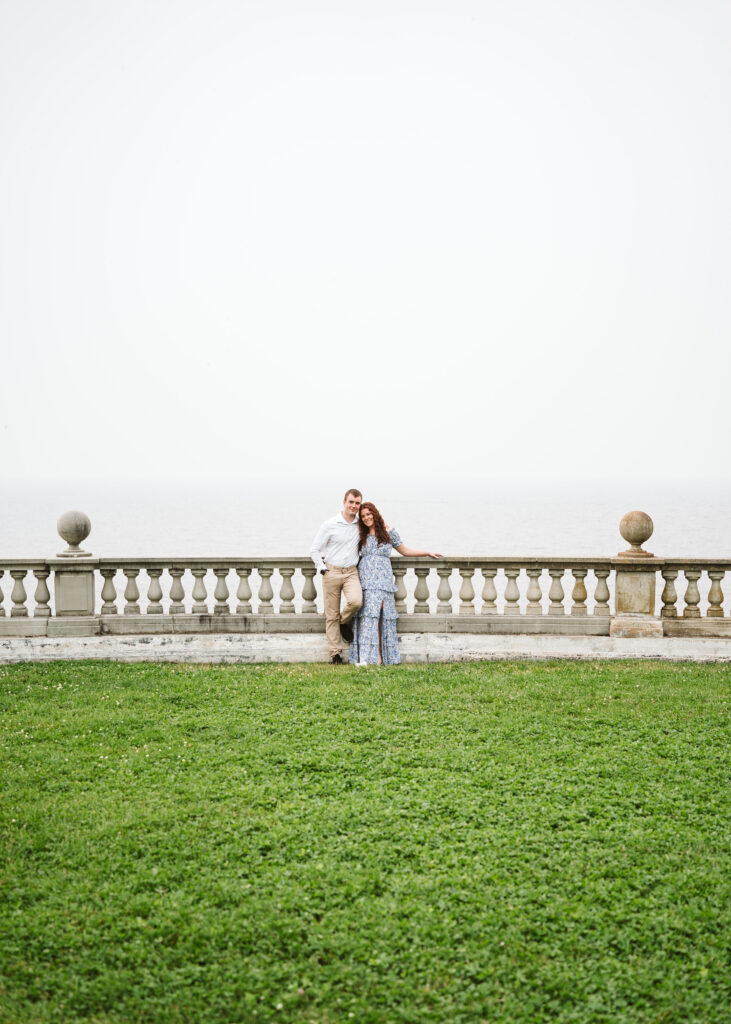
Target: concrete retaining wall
303, 647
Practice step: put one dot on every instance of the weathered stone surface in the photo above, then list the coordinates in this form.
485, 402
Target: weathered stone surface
696, 627
581, 625
636, 527
81, 625
74, 591
634, 592
635, 626
120, 625
415, 647
567, 625
23, 627
73, 527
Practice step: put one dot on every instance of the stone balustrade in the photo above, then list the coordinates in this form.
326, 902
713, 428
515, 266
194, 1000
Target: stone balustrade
502, 595
76, 594
462, 586
693, 598
25, 574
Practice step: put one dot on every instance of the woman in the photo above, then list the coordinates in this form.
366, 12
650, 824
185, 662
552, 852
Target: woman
374, 627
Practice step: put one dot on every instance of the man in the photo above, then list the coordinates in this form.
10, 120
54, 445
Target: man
335, 553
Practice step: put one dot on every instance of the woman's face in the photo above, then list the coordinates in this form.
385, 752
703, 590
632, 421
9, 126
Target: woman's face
367, 517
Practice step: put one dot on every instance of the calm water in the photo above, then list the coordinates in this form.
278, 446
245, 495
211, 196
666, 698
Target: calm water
247, 520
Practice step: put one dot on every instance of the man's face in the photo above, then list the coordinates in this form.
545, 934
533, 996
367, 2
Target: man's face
351, 505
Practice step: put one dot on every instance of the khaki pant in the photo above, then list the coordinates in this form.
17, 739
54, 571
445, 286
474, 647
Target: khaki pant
335, 582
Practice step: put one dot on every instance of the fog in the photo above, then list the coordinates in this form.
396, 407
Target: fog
395, 241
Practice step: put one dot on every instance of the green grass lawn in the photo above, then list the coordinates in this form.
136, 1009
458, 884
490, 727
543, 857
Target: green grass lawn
486, 842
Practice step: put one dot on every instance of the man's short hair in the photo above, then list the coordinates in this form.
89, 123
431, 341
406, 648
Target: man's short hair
354, 491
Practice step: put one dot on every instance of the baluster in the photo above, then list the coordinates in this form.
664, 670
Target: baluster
2, 596
601, 593
489, 592
444, 593
309, 594
692, 594
154, 592
177, 593
555, 594
200, 594
131, 592
534, 592
265, 592
715, 594
243, 594
109, 592
578, 594
18, 596
669, 594
512, 593
286, 593
467, 593
221, 592
42, 596
399, 572
421, 592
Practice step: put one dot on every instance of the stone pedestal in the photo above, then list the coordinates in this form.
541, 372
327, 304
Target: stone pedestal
635, 626
634, 602
73, 587
73, 577
634, 592
634, 585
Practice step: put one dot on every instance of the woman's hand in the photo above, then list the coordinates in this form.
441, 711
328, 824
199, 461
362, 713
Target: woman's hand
434, 554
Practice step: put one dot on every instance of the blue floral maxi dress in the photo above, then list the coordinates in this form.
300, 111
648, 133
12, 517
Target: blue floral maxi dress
377, 583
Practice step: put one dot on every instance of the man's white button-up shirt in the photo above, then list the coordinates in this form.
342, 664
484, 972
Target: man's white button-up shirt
336, 542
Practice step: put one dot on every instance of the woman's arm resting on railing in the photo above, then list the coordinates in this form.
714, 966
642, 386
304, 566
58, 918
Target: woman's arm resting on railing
413, 553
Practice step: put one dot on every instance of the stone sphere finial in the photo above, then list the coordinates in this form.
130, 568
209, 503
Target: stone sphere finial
73, 527
636, 527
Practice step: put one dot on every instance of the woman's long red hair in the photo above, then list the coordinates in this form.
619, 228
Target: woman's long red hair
380, 527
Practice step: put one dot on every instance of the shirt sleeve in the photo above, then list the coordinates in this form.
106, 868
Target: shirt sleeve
319, 545
395, 538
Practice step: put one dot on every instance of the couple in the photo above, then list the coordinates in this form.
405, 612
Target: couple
352, 551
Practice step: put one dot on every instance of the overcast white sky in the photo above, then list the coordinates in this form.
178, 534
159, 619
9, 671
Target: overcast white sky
398, 239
